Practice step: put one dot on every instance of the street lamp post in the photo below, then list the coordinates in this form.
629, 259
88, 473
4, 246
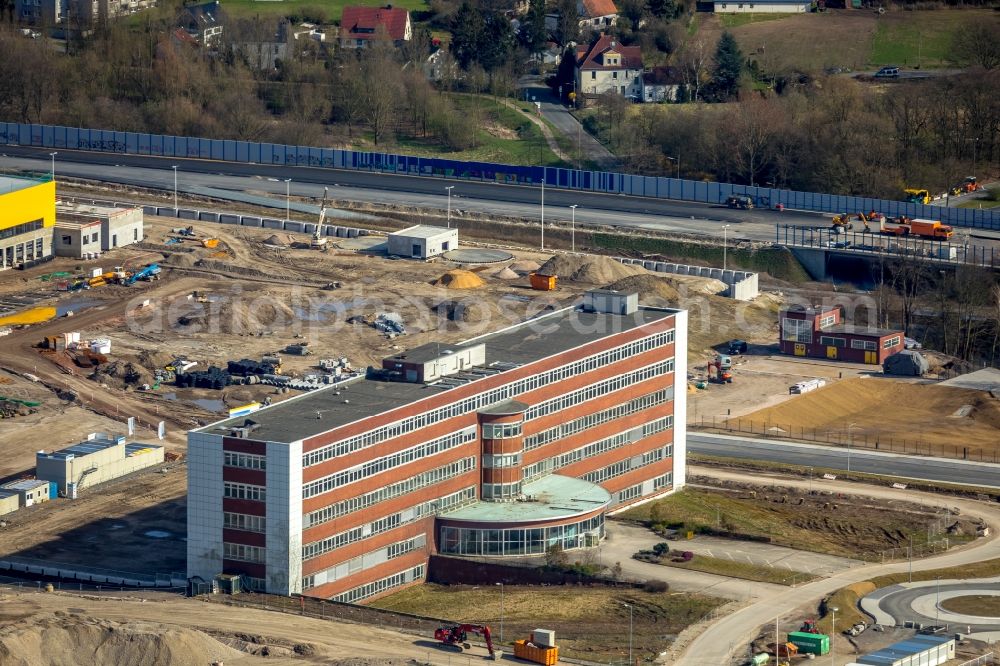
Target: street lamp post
53, 172
501, 612
175, 188
937, 600
543, 208
572, 228
850, 441
678, 161
449, 189
725, 244
833, 634
629, 606
288, 195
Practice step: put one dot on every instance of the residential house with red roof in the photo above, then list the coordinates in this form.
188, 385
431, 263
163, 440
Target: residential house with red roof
607, 66
359, 25
596, 14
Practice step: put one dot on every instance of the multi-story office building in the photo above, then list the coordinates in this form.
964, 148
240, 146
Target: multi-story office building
504, 445
27, 215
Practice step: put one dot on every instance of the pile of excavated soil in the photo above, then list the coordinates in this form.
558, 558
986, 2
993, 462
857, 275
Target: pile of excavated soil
462, 311
181, 259
246, 316
122, 373
887, 408
275, 240
506, 274
591, 269
62, 641
459, 279
524, 266
652, 289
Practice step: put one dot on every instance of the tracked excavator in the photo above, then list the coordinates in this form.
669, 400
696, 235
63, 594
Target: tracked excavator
318, 241
459, 635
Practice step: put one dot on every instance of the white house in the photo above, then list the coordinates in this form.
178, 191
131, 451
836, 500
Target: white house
606, 66
596, 14
765, 7
661, 84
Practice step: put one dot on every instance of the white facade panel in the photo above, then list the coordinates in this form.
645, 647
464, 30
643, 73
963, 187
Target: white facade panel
283, 557
204, 505
680, 398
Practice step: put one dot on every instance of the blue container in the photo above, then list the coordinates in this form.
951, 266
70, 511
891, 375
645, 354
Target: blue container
53, 490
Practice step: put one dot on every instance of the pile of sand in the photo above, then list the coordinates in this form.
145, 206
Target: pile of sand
275, 241
524, 266
591, 269
652, 289
459, 279
181, 259
462, 311
75, 640
506, 274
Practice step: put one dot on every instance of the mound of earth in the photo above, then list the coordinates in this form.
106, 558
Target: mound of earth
122, 373
590, 268
459, 279
652, 289
275, 240
181, 259
66, 641
462, 311
524, 266
506, 274
249, 316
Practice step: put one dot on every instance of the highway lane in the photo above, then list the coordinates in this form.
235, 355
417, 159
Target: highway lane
491, 198
871, 462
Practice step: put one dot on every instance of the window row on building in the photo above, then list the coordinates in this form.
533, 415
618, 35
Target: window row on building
371, 589
244, 522
244, 460
595, 419
501, 460
501, 430
366, 561
422, 480
529, 541
244, 491
241, 553
486, 398
616, 383
379, 465
390, 522
625, 466
502, 491
19, 229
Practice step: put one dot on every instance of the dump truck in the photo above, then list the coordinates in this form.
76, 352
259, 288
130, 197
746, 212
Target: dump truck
970, 184
905, 226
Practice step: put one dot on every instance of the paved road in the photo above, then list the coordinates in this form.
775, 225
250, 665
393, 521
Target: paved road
716, 645
491, 198
919, 602
769, 555
872, 462
556, 113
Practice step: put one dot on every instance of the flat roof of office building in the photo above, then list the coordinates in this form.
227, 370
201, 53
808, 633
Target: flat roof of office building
339, 404
551, 497
10, 184
91, 446
911, 646
89, 209
25, 484
422, 231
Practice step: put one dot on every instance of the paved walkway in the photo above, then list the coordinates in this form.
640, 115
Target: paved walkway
589, 148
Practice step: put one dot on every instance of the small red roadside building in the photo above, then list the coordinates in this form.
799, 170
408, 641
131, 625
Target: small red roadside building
821, 332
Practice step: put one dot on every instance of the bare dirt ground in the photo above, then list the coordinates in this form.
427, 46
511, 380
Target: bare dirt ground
59, 628
885, 407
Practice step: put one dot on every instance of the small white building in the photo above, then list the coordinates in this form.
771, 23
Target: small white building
29, 491
118, 226
661, 84
422, 241
767, 7
606, 66
101, 457
79, 240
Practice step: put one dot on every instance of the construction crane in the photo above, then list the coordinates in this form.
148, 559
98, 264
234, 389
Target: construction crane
458, 635
318, 241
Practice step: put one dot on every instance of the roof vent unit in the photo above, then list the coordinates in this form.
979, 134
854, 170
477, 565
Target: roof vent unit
610, 301
244, 431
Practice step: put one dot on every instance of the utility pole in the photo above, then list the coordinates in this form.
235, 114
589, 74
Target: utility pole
53, 156
572, 229
175, 188
629, 606
725, 244
288, 195
501, 612
833, 635
449, 189
543, 208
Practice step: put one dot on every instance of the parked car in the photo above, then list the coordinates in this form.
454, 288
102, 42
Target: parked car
740, 201
910, 343
737, 347
888, 72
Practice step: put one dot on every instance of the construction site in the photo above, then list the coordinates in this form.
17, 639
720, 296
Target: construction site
201, 322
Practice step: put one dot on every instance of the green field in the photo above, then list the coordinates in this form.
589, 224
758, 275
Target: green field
736, 20
911, 39
330, 9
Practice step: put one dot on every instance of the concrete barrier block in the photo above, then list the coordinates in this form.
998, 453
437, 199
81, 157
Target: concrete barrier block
104, 204
341, 232
249, 221
187, 214
717, 273
208, 216
149, 210
308, 228
271, 223
353, 233
164, 211
229, 218
293, 226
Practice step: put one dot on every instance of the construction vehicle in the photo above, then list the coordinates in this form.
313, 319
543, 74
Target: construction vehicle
740, 201
717, 373
318, 242
970, 184
842, 223
809, 627
905, 226
917, 196
459, 634
189, 231
150, 272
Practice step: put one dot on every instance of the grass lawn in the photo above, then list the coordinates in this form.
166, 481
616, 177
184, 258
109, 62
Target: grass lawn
503, 135
588, 621
332, 9
736, 20
909, 39
981, 605
979, 203
744, 570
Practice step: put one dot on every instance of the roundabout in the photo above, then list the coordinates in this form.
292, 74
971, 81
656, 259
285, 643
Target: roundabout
966, 607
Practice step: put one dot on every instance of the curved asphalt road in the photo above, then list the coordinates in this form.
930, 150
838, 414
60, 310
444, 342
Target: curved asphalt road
899, 604
871, 462
519, 200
